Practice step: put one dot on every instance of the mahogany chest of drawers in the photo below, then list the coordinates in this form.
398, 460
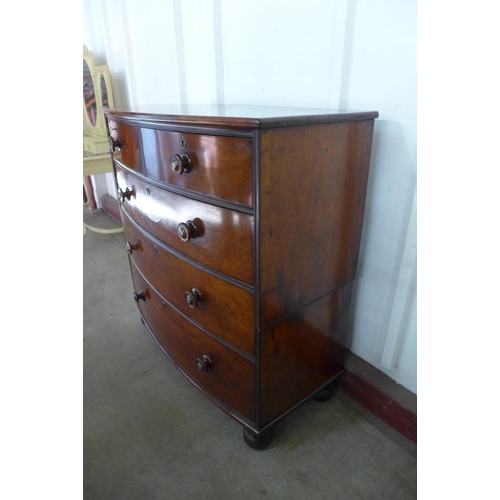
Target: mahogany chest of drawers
242, 226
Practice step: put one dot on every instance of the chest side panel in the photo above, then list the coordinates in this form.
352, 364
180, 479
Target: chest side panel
312, 193
301, 352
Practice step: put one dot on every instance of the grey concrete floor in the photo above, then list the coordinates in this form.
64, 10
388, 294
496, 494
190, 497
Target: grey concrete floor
149, 434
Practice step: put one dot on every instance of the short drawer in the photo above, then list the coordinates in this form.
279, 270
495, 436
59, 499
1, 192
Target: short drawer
219, 238
218, 369
223, 308
217, 166
126, 145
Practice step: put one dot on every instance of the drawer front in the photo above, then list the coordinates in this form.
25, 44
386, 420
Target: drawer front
216, 166
127, 149
231, 376
224, 309
224, 239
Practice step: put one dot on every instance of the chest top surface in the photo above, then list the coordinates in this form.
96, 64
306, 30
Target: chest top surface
237, 115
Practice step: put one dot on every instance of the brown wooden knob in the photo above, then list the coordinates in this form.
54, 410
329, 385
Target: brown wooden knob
187, 231
193, 297
204, 364
114, 144
180, 164
139, 296
131, 247
124, 194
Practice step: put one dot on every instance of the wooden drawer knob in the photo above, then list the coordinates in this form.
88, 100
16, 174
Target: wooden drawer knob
204, 364
114, 144
193, 297
131, 247
180, 164
139, 296
124, 194
187, 231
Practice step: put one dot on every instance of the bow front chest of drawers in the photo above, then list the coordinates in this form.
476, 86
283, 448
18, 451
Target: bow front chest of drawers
242, 226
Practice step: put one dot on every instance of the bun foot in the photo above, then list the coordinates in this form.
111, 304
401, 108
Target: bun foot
324, 395
257, 441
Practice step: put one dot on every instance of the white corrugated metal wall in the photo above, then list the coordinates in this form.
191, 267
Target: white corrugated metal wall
356, 54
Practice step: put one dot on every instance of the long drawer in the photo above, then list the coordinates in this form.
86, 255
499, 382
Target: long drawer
216, 368
213, 165
216, 237
223, 308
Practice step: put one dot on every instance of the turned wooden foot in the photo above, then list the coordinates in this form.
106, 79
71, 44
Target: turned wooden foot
325, 394
257, 441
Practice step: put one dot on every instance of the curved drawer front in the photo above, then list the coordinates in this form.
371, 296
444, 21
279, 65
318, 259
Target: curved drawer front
231, 376
225, 309
217, 166
225, 237
127, 149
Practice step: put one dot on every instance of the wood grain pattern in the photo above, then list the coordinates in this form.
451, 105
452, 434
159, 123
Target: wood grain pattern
312, 196
225, 242
232, 377
221, 166
270, 207
226, 310
301, 352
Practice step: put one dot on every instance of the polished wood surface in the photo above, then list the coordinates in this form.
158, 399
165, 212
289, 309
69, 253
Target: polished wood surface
130, 151
231, 378
220, 167
226, 310
301, 352
312, 196
256, 440
243, 228
234, 116
225, 240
